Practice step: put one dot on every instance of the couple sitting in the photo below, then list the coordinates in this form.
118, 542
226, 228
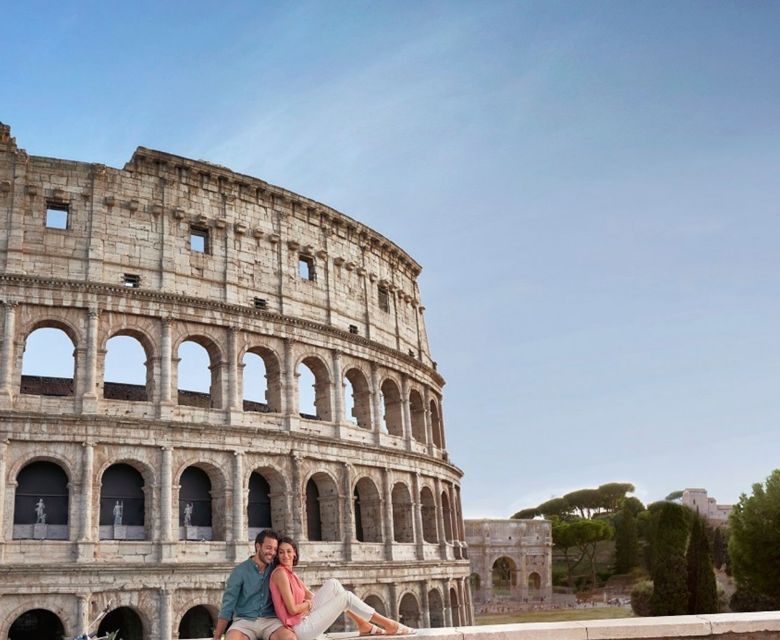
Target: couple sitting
266, 600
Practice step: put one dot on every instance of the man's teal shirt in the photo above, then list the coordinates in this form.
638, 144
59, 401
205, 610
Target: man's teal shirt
248, 593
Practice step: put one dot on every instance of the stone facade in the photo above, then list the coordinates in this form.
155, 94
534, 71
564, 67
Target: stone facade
511, 563
169, 250
708, 508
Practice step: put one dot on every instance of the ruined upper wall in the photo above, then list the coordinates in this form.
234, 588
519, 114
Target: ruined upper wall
141, 221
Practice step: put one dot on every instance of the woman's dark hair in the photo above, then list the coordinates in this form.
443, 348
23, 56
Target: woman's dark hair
291, 542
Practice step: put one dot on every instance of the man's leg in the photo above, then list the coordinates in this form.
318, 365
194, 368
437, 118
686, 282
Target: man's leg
237, 635
282, 633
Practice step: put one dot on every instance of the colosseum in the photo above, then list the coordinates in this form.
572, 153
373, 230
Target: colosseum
142, 497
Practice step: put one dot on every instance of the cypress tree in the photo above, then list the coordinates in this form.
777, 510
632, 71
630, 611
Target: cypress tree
702, 589
626, 541
670, 591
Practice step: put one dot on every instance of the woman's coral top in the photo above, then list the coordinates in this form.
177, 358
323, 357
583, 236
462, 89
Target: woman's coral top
298, 593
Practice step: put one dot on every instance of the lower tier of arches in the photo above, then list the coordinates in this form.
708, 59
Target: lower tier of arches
183, 604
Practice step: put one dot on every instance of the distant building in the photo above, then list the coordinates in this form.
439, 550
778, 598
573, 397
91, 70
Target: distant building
511, 563
708, 508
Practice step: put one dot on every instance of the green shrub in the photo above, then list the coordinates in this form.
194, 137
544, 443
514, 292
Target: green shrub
641, 597
748, 600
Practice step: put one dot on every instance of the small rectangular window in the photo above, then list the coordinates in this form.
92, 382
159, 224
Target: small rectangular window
353, 328
199, 239
57, 216
261, 303
306, 268
131, 280
384, 299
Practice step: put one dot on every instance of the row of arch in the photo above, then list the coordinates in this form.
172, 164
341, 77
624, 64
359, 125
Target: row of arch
387, 402
42, 497
444, 608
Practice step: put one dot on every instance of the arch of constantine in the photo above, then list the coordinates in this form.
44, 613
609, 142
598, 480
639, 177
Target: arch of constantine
511, 563
146, 494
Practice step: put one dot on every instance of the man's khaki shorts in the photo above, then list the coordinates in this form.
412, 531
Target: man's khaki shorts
258, 629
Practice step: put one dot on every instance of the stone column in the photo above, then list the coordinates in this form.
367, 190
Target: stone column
289, 380
232, 403
376, 402
83, 612
392, 605
447, 604
454, 522
239, 502
166, 614
7, 355
406, 415
295, 497
166, 362
89, 397
441, 531
349, 515
167, 540
3, 457
338, 389
425, 606
387, 513
428, 421
86, 541
418, 523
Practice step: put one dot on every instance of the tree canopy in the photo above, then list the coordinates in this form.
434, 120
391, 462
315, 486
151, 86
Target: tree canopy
584, 503
754, 539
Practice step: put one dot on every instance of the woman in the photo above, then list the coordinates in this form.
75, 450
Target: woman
309, 615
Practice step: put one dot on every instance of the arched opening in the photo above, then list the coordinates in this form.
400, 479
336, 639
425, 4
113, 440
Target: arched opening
428, 507
126, 375
391, 400
534, 585
435, 609
377, 603
199, 374
476, 582
368, 512
125, 621
196, 623
409, 611
417, 411
436, 431
322, 508
447, 514
122, 503
455, 607
262, 381
313, 374
48, 363
37, 624
403, 529
504, 576
195, 505
357, 404
259, 506
41, 502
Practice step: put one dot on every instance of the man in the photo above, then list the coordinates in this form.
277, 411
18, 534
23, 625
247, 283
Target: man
247, 597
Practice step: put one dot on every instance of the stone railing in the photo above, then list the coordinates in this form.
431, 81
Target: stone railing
763, 625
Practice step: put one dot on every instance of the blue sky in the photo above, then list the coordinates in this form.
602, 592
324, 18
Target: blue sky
591, 187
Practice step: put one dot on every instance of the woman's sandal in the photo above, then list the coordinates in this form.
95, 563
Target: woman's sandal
402, 630
375, 631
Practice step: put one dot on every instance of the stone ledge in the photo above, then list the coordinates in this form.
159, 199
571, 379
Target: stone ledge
761, 625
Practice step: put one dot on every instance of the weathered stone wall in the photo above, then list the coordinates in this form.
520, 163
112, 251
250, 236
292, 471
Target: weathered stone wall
138, 221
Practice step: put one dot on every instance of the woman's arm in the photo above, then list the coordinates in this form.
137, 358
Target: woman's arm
282, 582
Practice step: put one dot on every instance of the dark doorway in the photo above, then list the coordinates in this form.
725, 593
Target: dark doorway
41, 481
122, 483
126, 621
36, 624
195, 490
259, 502
196, 623
313, 517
